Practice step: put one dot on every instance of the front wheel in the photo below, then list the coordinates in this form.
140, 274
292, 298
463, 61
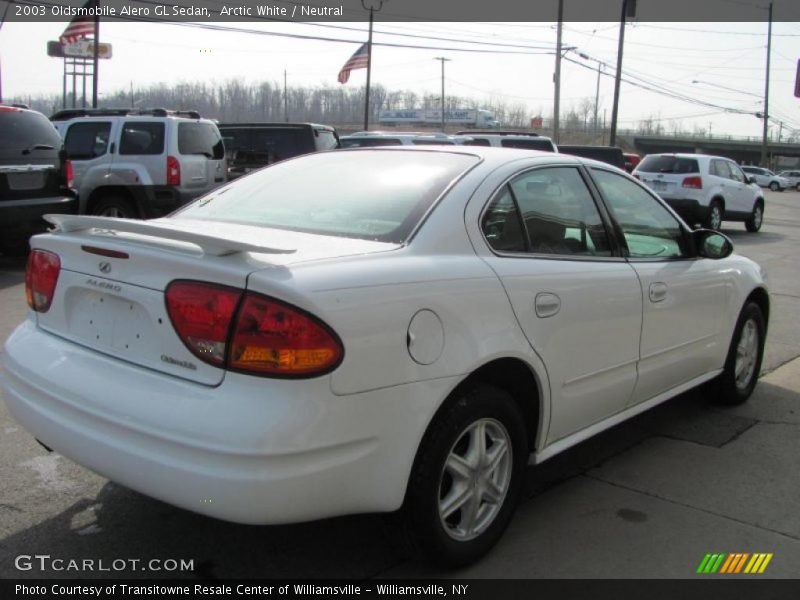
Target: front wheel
756, 218
466, 478
743, 365
774, 186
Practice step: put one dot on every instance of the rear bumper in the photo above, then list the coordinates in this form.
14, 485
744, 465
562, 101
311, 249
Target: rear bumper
251, 450
690, 210
24, 217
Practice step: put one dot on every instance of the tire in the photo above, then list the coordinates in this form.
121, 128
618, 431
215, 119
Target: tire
797, 187
743, 365
715, 215
114, 206
756, 218
774, 186
454, 512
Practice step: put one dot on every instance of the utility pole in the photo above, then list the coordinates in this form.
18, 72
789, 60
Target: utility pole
612, 138
557, 75
597, 100
3, 20
444, 60
285, 99
766, 92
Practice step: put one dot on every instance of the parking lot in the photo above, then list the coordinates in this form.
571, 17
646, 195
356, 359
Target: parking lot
646, 499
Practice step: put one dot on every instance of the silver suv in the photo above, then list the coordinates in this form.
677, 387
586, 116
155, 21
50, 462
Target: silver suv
140, 163
703, 189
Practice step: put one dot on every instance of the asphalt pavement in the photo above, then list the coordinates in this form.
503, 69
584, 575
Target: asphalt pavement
646, 499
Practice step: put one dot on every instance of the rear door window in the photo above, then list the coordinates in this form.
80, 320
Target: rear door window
200, 139
142, 137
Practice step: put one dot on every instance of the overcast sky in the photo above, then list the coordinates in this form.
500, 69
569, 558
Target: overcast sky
727, 60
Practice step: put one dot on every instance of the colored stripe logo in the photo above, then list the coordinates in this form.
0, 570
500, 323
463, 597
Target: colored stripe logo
735, 563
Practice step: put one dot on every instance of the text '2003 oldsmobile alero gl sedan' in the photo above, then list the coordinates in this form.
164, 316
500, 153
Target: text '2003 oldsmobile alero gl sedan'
375, 330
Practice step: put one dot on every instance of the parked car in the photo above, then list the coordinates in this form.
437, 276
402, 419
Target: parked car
766, 178
631, 160
704, 189
140, 163
607, 154
509, 139
35, 177
792, 178
372, 139
251, 146
396, 330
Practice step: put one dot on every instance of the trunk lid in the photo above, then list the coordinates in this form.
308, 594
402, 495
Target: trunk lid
110, 291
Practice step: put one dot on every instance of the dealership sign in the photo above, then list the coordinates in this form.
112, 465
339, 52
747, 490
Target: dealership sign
78, 49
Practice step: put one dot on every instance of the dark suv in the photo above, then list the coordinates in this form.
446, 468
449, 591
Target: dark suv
35, 177
250, 146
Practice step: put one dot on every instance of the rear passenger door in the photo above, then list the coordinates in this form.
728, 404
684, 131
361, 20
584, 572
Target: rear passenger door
577, 300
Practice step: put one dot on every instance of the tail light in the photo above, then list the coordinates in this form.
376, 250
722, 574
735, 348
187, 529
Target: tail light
69, 173
249, 332
694, 182
274, 338
173, 171
41, 276
202, 313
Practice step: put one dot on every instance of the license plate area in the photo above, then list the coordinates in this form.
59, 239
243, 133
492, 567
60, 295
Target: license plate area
30, 180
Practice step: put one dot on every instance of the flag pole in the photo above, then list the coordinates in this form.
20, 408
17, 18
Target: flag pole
372, 10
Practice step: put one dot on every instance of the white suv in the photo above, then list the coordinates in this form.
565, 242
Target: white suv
140, 163
703, 189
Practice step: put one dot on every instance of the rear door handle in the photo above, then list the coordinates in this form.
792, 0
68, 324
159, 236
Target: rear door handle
547, 305
658, 291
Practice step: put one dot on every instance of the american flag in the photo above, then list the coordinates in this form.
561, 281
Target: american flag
80, 26
359, 60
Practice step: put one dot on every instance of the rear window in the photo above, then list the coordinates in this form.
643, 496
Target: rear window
23, 129
371, 195
277, 143
200, 138
87, 140
668, 164
326, 140
477, 142
370, 142
532, 144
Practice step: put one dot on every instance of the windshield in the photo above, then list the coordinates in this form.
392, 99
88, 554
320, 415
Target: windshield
371, 194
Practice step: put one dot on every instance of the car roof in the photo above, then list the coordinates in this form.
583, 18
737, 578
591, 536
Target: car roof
274, 125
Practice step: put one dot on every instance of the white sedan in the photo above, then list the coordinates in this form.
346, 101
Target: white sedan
394, 330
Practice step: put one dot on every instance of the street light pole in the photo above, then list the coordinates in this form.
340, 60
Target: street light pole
444, 60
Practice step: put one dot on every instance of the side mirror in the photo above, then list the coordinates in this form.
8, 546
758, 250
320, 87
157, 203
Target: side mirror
712, 244
751, 179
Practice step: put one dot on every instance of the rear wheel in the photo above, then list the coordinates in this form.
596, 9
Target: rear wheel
466, 478
746, 352
715, 214
114, 206
753, 223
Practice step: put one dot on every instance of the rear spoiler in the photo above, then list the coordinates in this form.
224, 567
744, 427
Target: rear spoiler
209, 244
